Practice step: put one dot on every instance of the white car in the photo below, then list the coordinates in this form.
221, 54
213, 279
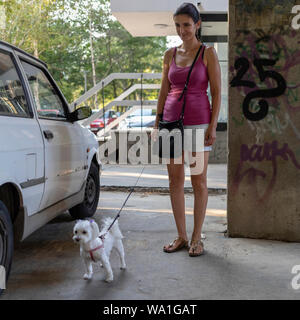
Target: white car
48, 161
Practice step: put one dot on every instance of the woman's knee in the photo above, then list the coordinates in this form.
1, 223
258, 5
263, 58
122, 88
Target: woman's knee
176, 182
176, 176
199, 183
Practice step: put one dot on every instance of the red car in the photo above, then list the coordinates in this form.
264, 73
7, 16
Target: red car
98, 124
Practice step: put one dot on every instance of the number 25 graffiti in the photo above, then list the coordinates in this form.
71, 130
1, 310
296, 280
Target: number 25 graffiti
242, 65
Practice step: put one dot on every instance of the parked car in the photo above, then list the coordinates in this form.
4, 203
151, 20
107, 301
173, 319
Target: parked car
137, 119
98, 124
48, 161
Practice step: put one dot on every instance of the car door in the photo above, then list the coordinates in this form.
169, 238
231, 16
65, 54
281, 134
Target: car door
21, 142
65, 157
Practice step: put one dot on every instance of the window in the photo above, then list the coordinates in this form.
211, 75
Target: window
12, 96
47, 102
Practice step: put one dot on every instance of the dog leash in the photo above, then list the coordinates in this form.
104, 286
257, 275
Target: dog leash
102, 237
118, 215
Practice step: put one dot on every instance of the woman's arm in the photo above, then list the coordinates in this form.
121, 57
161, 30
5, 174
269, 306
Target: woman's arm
165, 86
214, 75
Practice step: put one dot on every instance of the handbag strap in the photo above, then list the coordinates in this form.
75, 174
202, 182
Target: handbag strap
187, 82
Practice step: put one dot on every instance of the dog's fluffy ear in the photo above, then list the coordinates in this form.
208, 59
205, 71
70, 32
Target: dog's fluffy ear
95, 229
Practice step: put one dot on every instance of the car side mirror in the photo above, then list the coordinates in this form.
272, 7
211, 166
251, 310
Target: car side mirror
80, 114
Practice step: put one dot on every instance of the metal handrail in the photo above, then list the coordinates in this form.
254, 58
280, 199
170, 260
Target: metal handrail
119, 101
113, 76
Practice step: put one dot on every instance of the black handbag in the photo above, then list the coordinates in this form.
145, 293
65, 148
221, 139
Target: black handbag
171, 139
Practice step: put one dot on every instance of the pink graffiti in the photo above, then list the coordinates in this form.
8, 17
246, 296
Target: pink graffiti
258, 153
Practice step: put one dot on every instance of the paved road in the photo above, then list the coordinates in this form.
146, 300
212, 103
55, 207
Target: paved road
47, 264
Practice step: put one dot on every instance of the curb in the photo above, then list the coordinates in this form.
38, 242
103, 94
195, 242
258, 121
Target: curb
162, 190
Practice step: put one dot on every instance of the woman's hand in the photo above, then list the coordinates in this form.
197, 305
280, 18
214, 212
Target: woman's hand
210, 136
154, 134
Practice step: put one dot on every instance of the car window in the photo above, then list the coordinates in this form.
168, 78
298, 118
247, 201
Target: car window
12, 97
47, 102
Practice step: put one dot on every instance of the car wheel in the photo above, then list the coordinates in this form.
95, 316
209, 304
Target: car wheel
6, 242
91, 196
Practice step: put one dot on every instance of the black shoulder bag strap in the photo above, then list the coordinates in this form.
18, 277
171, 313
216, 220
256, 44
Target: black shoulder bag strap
187, 81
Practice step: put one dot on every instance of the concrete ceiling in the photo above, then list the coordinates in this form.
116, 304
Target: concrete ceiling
155, 18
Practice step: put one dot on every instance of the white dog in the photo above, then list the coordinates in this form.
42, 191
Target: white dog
96, 246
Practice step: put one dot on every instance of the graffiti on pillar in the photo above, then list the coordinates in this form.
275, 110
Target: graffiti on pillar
257, 153
276, 44
242, 65
274, 124
266, 60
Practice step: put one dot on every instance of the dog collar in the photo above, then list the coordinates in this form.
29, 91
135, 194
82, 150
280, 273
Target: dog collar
91, 251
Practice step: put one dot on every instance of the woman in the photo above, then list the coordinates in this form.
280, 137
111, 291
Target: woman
198, 114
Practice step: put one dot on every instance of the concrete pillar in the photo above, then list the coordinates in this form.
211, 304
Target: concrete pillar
264, 120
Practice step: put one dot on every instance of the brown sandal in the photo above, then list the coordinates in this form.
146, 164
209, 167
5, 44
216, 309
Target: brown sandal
196, 248
176, 245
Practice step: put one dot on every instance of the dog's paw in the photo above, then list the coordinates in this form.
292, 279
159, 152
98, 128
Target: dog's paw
123, 267
87, 276
109, 279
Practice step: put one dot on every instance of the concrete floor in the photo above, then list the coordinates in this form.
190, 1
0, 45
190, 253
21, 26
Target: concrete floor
47, 265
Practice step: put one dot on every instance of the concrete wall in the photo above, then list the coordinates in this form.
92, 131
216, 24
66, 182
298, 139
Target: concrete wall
264, 140
219, 149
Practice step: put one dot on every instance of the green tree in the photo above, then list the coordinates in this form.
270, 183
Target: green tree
77, 36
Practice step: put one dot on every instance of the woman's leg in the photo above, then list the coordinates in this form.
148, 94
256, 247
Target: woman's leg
199, 184
176, 184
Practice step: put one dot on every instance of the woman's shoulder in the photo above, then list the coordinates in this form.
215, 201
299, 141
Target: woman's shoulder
169, 52
209, 54
168, 55
209, 50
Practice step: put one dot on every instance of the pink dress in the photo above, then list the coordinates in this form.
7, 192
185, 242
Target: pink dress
197, 107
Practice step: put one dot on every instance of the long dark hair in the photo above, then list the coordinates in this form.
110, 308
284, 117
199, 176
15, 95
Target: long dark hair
190, 10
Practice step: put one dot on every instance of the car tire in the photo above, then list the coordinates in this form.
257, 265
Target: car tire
88, 207
6, 240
